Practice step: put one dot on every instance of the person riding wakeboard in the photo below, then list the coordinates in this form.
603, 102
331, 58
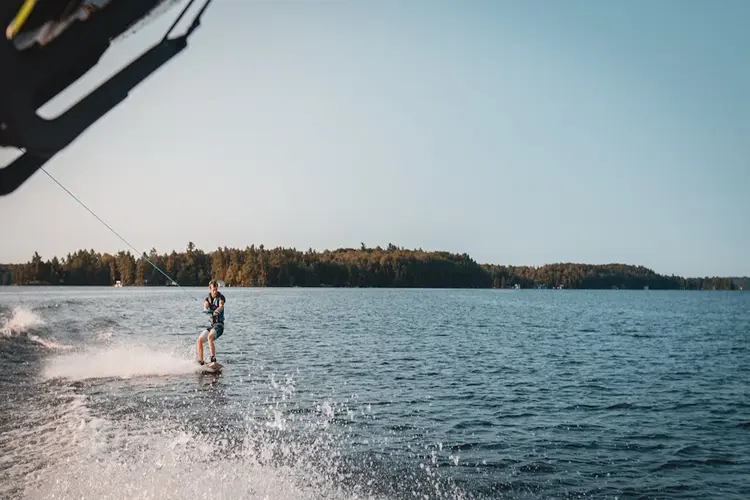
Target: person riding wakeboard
213, 305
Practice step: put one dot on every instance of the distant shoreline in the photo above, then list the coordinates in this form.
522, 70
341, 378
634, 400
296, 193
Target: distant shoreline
302, 287
390, 267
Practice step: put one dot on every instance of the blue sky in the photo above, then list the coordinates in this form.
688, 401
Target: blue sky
519, 132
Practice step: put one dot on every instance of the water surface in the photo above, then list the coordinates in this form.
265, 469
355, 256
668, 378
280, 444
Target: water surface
372, 393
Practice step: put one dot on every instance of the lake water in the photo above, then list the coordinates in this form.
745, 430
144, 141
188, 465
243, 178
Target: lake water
372, 393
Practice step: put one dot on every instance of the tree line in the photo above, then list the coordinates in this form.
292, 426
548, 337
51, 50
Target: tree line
344, 267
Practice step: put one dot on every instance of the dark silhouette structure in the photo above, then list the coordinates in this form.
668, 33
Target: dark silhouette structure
31, 76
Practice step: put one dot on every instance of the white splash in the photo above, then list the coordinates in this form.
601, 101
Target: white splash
326, 409
21, 321
49, 343
87, 456
117, 361
63, 449
105, 335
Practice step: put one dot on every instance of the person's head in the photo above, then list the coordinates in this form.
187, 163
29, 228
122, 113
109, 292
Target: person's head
213, 287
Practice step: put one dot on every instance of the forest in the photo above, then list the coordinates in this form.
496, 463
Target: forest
344, 267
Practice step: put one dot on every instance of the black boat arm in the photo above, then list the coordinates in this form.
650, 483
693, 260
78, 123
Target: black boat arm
60, 132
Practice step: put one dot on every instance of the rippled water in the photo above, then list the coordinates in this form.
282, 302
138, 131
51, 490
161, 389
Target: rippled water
368, 393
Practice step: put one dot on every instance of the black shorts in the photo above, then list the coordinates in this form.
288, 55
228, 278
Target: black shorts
216, 328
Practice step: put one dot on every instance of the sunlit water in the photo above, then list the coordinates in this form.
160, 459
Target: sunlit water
366, 393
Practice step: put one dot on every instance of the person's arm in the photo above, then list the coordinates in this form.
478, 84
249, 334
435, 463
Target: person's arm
205, 304
221, 305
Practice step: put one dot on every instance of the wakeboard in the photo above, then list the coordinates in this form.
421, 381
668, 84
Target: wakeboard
211, 367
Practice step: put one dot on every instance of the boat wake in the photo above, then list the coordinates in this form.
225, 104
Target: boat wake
123, 360
72, 447
22, 323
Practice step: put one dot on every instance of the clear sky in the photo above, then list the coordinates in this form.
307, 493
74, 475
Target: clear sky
519, 132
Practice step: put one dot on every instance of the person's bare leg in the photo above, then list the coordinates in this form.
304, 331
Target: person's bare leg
199, 347
211, 344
